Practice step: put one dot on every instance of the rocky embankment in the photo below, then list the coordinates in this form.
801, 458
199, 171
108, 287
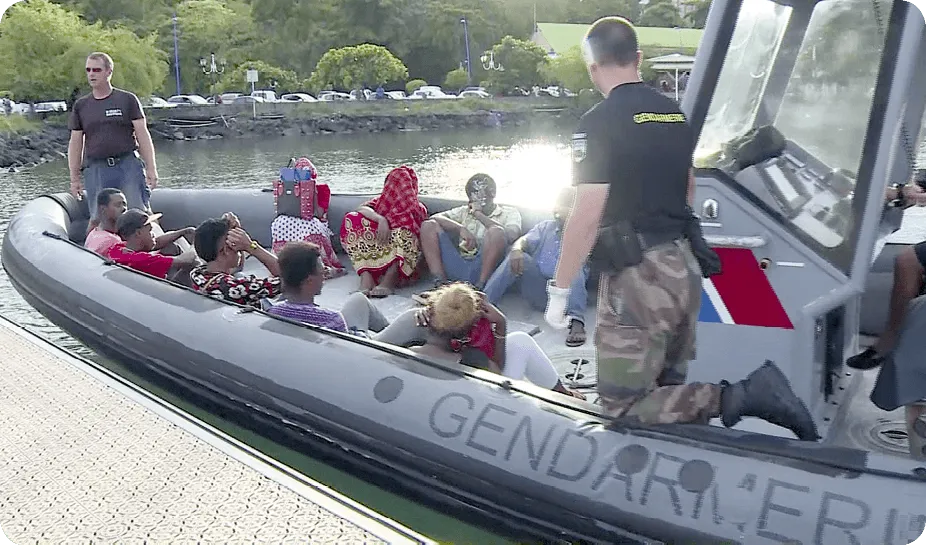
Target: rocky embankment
18, 151
244, 126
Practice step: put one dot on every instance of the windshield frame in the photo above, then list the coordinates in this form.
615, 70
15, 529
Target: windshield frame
843, 255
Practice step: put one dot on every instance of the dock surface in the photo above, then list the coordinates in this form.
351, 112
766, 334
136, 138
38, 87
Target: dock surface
87, 458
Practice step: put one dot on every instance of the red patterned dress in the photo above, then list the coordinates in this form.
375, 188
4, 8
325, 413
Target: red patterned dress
398, 204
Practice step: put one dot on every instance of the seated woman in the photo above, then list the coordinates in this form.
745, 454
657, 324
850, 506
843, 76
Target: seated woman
381, 237
315, 230
459, 317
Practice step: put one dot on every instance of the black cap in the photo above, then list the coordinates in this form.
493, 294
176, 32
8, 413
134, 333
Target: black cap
133, 220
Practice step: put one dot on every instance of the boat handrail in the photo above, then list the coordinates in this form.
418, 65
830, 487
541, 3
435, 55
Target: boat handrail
736, 241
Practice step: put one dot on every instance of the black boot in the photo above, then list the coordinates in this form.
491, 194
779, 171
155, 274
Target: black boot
766, 394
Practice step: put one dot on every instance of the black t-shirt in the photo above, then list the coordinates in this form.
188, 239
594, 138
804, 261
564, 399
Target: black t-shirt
640, 143
107, 123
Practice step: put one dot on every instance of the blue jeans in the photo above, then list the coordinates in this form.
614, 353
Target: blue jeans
534, 287
456, 266
128, 175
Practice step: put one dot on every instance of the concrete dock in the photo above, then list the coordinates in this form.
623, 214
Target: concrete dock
88, 458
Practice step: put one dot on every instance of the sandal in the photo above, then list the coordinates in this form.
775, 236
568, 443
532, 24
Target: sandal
576, 339
379, 292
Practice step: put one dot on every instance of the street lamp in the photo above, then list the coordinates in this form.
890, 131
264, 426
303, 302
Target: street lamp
176, 55
488, 62
209, 66
469, 68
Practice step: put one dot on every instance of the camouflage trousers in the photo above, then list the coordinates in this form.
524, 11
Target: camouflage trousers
916, 430
647, 318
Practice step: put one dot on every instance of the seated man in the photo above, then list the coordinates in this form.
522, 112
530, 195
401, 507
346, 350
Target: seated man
137, 245
303, 274
111, 205
533, 259
222, 244
909, 269
484, 231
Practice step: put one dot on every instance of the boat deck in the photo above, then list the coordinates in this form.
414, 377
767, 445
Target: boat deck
856, 422
87, 458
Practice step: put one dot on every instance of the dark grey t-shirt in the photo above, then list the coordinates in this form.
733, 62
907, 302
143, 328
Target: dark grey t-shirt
107, 123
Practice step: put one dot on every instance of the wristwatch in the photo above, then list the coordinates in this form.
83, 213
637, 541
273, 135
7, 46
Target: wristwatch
254, 245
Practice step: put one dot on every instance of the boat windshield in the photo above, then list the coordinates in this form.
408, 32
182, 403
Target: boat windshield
816, 87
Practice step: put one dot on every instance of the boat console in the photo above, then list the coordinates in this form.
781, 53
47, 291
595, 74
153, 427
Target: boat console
807, 111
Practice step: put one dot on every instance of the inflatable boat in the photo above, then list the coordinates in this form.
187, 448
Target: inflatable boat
797, 220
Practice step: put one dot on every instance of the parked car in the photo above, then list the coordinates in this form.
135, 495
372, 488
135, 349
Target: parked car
51, 106
247, 99
298, 97
396, 95
330, 96
475, 93
158, 102
430, 92
188, 100
265, 95
229, 97
367, 94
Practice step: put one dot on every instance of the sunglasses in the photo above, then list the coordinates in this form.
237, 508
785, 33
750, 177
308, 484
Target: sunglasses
89, 69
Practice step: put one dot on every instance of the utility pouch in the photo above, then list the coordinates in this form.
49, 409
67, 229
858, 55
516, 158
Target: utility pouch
617, 248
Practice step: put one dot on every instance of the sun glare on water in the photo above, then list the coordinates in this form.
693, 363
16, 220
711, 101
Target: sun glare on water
529, 174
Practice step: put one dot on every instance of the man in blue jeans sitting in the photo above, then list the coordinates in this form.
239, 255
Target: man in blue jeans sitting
466, 243
533, 260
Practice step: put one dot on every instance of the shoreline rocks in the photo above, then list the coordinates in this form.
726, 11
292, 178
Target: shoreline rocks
18, 151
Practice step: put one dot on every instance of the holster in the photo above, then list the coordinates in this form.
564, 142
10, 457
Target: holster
708, 260
618, 247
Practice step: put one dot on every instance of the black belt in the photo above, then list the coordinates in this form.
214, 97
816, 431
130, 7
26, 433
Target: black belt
112, 160
651, 240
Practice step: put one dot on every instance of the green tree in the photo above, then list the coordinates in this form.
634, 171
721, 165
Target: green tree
52, 43
697, 17
568, 70
523, 64
661, 13
456, 79
365, 65
236, 79
142, 17
204, 27
414, 85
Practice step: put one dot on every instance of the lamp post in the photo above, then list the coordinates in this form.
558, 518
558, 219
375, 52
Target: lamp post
488, 62
210, 67
176, 55
469, 68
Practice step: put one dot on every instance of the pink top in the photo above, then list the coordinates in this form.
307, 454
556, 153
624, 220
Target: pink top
100, 241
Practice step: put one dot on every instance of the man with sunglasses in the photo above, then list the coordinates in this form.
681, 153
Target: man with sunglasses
107, 127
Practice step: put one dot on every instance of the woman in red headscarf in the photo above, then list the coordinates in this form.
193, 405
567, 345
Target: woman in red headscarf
314, 230
381, 236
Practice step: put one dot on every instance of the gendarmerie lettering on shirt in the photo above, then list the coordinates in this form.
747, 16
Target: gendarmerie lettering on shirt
639, 143
107, 123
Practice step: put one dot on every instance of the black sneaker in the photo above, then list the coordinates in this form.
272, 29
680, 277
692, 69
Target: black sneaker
866, 360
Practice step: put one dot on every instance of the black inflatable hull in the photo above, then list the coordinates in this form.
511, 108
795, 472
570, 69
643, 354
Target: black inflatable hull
537, 463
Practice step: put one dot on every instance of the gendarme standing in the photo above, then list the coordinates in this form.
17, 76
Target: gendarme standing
632, 158
108, 132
